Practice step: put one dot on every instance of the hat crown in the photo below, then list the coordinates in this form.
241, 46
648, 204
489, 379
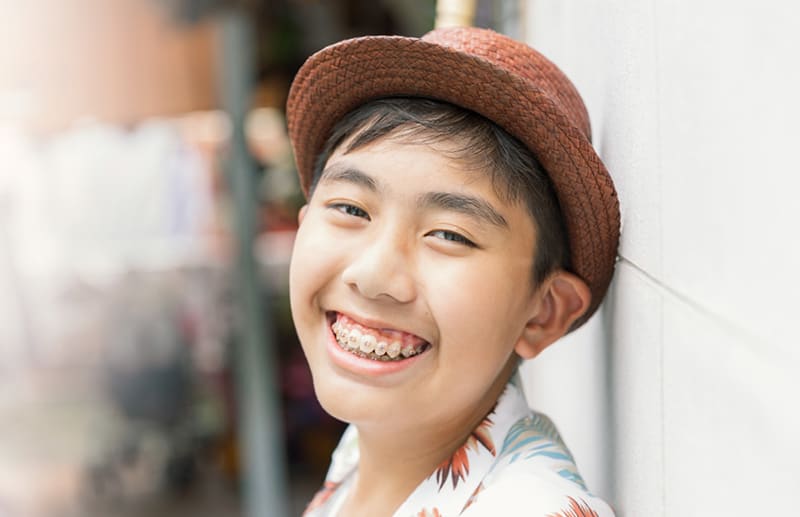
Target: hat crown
519, 60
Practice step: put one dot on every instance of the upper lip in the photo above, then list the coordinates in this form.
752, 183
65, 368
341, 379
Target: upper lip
378, 324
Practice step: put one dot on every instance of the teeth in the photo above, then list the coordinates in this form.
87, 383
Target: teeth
393, 350
353, 339
367, 344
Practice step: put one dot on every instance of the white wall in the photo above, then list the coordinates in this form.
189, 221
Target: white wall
682, 397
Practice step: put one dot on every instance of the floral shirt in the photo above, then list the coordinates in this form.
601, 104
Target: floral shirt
513, 463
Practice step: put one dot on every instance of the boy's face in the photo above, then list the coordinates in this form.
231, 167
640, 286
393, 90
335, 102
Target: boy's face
402, 247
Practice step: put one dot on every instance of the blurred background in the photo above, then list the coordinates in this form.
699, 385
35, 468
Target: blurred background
148, 200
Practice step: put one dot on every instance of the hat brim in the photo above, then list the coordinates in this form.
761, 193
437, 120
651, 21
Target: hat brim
344, 76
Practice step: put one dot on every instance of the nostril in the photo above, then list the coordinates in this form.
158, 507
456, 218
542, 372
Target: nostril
380, 271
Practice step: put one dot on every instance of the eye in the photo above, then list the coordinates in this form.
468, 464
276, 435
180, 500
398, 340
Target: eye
349, 209
452, 237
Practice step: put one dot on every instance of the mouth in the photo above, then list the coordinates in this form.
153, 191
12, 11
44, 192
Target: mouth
375, 344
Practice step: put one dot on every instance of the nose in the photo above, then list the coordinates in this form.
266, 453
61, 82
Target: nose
382, 269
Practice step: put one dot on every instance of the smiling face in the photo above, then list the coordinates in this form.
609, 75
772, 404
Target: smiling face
410, 287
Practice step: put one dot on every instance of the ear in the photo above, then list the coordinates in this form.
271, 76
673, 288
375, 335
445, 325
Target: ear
561, 299
302, 214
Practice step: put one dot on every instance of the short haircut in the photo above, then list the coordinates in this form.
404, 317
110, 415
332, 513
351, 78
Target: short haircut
517, 175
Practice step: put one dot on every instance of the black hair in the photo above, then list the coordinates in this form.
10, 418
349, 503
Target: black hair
517, 175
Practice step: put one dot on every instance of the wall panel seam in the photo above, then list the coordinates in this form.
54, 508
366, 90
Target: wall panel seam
696, 306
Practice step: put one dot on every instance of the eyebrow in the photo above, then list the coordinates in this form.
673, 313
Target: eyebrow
468, 205
348, 175
471, 206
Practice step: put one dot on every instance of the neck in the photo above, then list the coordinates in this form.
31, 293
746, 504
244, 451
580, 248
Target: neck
392, 463
386, 477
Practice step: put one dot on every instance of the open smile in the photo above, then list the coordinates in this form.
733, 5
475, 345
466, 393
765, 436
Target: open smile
373, 349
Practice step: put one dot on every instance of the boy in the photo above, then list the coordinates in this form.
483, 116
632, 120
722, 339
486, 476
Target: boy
458, 221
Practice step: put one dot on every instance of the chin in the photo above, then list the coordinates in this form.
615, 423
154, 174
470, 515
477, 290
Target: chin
337, 400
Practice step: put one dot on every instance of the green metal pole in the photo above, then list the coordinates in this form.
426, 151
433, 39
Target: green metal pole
260, 424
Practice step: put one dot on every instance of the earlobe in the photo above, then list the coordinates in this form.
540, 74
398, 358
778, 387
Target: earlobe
562, 299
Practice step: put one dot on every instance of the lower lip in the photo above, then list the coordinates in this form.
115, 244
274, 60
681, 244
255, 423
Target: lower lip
362, 366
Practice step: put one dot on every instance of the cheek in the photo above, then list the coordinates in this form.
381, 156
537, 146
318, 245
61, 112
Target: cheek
311, 249
304, 269
476, 303
297, 267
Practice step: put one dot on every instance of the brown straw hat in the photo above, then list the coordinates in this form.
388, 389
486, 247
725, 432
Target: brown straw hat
500, 78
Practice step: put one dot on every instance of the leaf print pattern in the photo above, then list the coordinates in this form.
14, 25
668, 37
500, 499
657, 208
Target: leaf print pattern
537, 436
322, 496
473, 497
429, 513
457, 466
534, 428
575, 509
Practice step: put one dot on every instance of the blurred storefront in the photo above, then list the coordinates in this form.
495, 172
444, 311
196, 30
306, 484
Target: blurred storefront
119, 278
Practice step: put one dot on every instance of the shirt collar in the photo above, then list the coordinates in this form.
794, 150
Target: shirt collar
452, 483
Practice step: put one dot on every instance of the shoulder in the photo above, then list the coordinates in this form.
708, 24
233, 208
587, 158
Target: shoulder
518, 491
533, 444
534, 475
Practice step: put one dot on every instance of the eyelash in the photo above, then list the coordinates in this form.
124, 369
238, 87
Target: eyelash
446, 235
454, 237
351, 210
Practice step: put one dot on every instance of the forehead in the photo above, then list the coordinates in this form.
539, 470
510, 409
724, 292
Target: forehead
481, 145
456, 154
443, 161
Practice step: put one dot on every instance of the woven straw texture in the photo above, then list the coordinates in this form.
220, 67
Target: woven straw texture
502, 79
